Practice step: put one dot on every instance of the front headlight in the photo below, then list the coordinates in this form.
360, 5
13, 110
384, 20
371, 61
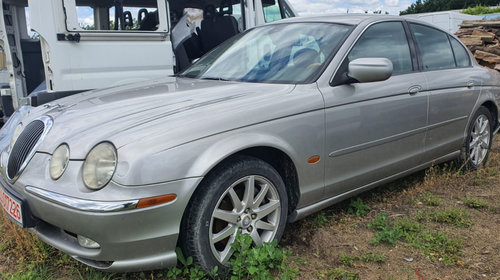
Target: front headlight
59, 161
99, 166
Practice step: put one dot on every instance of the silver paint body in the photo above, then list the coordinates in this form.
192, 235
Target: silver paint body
171, 132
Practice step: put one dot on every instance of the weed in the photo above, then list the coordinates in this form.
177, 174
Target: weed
385, 233
340, 274
258, 262
408, 227
479, 179
430, 199
186, 269
475, 203
30, 272
93, 274
438, 246
346, 259
493, 172
370, 257
366, 257
320, 220
358, 208
453, 216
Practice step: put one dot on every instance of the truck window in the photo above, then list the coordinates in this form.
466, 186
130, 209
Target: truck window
117, 15
275, 10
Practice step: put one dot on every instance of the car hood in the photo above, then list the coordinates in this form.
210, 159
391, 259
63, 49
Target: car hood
171, 111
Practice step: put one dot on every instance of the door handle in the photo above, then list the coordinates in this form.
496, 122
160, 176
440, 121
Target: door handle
470, 84
414, 90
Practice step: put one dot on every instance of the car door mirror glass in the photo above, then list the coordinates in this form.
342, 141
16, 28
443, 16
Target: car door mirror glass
366, 70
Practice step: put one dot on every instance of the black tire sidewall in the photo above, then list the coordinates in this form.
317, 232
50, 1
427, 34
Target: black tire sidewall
481, 111
197, 223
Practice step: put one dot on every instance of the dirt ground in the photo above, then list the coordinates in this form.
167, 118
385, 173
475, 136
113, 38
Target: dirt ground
462, 243
318, 247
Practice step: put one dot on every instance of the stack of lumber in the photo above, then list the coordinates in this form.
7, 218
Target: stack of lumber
482, 37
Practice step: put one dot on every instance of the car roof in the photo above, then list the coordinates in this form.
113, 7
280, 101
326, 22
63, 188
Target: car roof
351, 19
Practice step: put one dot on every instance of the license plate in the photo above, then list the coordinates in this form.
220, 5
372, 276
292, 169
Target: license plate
12, 206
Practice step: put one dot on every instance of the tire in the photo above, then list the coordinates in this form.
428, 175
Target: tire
477, 145
219, 209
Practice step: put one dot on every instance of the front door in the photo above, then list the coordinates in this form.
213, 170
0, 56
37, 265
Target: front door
375, 130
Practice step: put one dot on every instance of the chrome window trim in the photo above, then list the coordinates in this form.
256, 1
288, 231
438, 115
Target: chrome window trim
83, 204
47, 122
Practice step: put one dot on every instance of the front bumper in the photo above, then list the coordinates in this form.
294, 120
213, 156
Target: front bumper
130, 239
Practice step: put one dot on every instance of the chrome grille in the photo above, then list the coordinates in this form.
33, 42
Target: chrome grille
26, 145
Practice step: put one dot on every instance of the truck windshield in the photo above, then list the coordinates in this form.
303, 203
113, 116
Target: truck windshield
278, 53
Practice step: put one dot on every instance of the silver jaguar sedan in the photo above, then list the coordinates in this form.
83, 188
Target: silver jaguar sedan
274, 124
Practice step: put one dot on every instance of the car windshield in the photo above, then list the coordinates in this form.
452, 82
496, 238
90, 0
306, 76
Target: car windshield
278, 53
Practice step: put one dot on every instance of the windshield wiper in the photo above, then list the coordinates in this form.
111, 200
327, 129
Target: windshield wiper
214, 79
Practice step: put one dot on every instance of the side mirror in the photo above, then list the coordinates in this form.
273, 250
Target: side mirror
366, 70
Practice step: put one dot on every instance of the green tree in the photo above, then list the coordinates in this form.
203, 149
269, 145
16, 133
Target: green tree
427, 6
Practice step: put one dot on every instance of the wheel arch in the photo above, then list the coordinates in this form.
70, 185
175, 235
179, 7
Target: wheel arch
272, 150
492, 107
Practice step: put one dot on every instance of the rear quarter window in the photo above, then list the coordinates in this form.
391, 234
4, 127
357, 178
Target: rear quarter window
434, 46
461, 56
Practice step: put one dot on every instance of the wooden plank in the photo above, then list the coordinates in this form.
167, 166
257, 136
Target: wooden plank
470, 40
487, 57
485, 36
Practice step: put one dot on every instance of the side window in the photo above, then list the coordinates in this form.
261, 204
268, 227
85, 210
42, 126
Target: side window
461, 56
387, 40
434, 46
123, 15
275, 10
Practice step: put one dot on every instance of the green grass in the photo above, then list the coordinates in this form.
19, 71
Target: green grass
385, 233
339, 274
430, 199
438, 246
320, 220
435, 245
358, 207
365, 257
480, 10
29, 272
475, 203
452, 216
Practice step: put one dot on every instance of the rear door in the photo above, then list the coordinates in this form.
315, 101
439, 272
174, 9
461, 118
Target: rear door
454, 87
101, 43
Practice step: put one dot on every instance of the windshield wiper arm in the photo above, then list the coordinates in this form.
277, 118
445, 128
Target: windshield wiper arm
214, 78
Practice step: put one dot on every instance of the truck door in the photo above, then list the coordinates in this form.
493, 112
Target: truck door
88, 44
272, 10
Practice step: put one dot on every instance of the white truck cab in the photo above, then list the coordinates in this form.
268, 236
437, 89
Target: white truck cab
78, 45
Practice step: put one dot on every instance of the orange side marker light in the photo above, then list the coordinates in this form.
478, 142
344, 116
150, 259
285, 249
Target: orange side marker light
313, 159
156, 200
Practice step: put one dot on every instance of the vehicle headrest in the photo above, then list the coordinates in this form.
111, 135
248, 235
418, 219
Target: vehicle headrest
209, 12
226, 7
